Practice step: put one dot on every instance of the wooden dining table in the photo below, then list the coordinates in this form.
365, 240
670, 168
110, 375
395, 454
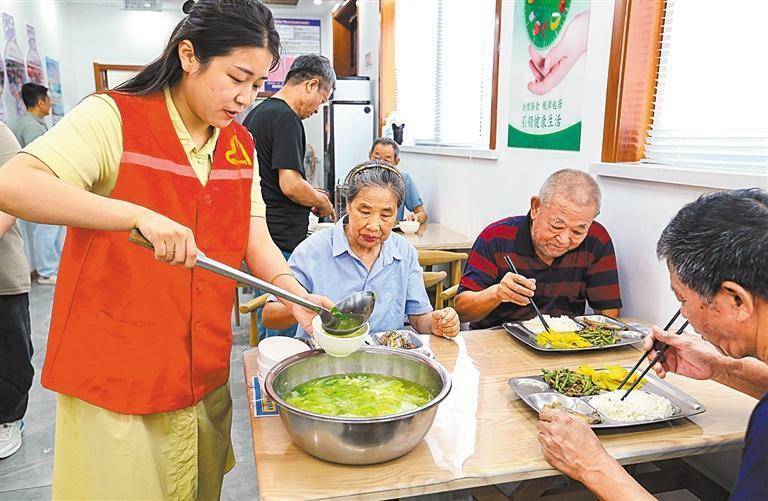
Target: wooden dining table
483, 434
435, 236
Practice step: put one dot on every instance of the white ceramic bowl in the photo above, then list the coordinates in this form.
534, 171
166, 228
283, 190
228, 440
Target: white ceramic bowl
339, 346
409, 226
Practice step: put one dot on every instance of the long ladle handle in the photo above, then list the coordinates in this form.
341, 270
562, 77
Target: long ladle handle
209, 264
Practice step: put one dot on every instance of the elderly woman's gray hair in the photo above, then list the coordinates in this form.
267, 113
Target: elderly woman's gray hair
309, 66
574, 185
374, 174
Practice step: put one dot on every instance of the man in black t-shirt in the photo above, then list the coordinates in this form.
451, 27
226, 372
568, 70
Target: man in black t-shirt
280, 144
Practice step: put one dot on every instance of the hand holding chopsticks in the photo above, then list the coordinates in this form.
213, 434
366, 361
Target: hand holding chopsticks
656, 346
512, 268
660, 349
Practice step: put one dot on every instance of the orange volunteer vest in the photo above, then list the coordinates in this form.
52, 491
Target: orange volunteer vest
131, 334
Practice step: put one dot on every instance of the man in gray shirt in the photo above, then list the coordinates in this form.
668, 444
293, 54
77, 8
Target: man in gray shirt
16, 371
44, 241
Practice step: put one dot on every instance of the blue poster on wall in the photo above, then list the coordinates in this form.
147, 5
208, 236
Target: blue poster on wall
54, 89
297, 37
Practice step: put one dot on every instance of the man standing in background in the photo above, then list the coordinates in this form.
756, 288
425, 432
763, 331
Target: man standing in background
46, 240
16, 371
280, 146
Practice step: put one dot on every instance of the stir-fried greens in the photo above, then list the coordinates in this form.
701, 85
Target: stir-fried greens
599, 336
358, 395
586, 380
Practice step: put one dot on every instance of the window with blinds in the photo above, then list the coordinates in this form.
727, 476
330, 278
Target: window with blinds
444, 71
711, 110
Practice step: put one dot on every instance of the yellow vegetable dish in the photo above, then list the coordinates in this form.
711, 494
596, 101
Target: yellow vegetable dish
610, 377
562, 340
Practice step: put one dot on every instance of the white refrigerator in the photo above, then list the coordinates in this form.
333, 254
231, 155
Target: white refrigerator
348, 128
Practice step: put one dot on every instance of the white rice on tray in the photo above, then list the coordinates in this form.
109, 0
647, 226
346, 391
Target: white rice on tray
638, 406
557, 324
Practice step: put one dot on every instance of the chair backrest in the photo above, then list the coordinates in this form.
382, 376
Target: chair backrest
432, 257
432, 278
429, 258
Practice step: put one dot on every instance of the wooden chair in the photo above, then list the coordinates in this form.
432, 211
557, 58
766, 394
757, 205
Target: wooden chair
435, 279
429, 258
431, 279
252, 308
449, 294
237, 301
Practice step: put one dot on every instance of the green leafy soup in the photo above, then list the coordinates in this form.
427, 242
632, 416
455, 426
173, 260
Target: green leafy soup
358, 395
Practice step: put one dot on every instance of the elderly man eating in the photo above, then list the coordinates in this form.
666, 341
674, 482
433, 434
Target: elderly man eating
564, 257
715, 249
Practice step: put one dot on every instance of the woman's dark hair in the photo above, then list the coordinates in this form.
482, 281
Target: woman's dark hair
215, 28
374, 173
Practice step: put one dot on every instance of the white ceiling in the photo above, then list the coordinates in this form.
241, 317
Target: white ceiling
304, 7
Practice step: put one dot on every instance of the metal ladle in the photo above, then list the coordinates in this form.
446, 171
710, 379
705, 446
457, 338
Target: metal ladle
346, 317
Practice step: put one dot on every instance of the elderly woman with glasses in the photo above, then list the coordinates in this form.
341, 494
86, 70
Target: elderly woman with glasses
362, 253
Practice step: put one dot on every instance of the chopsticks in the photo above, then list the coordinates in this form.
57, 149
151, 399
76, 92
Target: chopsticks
659, 354
656, 346
512, 268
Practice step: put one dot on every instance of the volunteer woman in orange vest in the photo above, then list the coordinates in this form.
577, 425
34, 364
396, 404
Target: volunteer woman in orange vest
139, 350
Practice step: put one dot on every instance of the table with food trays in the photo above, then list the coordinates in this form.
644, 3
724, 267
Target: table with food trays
484, 434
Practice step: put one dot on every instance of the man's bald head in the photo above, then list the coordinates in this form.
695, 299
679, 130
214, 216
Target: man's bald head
574, 185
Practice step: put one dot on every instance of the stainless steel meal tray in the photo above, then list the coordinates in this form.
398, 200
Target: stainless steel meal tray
413, 337
536, 393
631, 334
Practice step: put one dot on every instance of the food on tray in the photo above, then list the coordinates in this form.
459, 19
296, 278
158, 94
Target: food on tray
586, 380
570, 383
638, 406
599, 336
610, 377
556, 324
358, 395
561, 340
591, 418
395, 339
589, 322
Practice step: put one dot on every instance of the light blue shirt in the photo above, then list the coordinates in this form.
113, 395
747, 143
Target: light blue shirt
324, 264
412, 197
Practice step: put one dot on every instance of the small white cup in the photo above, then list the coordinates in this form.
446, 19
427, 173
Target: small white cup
409, 227
338, 346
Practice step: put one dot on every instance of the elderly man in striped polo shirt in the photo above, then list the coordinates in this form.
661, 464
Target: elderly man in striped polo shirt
565, 259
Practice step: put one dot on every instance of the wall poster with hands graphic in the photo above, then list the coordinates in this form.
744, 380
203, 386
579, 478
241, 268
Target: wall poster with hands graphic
549, 46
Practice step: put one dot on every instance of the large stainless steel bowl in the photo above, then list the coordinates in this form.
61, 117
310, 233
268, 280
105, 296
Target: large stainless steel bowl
348, 440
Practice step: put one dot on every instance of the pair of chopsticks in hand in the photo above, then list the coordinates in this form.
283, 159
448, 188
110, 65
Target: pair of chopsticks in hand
512, 268
660, 348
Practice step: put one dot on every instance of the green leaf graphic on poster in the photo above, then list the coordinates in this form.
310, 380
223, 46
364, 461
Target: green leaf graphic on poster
544, 19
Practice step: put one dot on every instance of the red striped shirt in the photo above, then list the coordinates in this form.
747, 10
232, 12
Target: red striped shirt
586, 274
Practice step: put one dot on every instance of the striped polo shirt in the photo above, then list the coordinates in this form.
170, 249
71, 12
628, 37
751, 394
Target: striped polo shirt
585, 274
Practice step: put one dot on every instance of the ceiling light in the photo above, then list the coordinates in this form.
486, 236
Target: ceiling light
318, 2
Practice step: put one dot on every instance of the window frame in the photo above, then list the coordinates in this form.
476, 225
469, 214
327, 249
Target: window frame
632, 75
387, 70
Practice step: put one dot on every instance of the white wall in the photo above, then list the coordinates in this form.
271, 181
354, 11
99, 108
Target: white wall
50, 22
102, 32
467, 194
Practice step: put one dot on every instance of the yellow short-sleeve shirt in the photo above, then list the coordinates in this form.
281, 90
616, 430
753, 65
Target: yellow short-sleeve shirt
84, 148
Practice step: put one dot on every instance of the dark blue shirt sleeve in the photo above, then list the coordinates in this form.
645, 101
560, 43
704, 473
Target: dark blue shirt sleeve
752, 482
